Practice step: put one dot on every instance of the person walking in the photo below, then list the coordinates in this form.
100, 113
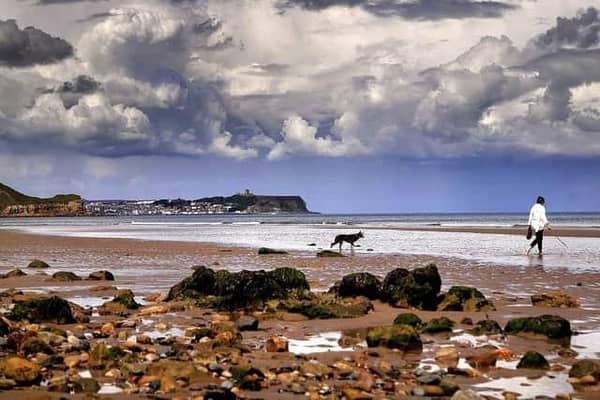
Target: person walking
538, 222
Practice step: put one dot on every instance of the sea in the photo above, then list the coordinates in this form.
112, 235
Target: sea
383, 234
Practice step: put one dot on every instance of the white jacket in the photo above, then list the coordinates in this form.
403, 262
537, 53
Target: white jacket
537, 217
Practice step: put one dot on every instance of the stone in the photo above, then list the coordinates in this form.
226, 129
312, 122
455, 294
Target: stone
447, 357
551, 326
63, 276
402, 337
7, 384
432, 391
351, 393
277, 344
101, 276
5, 327
123, 302
327, 305
39, 264
34, 345
22, 371
246, 323
533, 360
448, 387
486, 327
87, 385
358, 284
315, 368
267, 251
15, 273
38, 309
488, 358
554, 299
329, 254
72, 361
464, 298
418, 288
585, 367
466, 395
408, 319
438, 325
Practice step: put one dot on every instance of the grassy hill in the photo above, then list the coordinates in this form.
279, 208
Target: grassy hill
10, 197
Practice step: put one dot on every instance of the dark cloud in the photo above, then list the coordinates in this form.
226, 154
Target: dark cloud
82, 84
29, 46
417, 10
581, 32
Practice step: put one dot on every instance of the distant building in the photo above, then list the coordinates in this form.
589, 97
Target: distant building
247, 192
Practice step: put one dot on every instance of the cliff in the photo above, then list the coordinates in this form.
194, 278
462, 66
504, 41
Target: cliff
16, 204
259, 204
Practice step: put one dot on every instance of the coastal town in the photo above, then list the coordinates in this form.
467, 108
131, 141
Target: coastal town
156, 207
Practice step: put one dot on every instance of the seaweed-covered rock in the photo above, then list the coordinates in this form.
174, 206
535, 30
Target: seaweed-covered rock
103, 355
267, 251
358, 284
408, 319
533, 360
123, 302
328, 306
554, 299
42, 309
64, 276
585, 367
329, 253
402, 337
15, 273
464, 298
418, 288
486, 327
290, 278
201, 283
101, 276
39, 264
551, 326
438, 325
246, 323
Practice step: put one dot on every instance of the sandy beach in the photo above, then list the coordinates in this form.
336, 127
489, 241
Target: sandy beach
151, 268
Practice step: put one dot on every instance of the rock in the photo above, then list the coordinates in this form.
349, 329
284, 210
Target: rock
402, 337
102, 355
356, 394
42, 309
488, 358
448, 387
554, 299
533, 360
122, 302
246, 323
315, 368
418, 288
466, 395
72, 361
432, 391
15, 273
101, 276
438, 325
22, 371
585, 367
587, 380
551, 326
290, 279
63, 276
35, 345
7, 384
326, 305
464, 298
277, 344
38, 264
429, 379
408, 319
267, 251
5, 327
329, 253
486, 327
87, 385
447, 356
358, 284
466, 321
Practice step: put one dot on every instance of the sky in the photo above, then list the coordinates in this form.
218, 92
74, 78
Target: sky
363, 106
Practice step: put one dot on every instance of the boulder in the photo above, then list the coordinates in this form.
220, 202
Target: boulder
466, 395
329, 253
464, 298
533, 360
408, 319
15, 273
5, 327
101, 276
34, 345
64, 276
554, 299
246, 323
103, 355
486, 327
551, 326
290, 278
402, 337
447, 357
327, 306
358, 284
201, 283
277, 344
22, 371
438, 325
585, 368
38, 264
42, 309
123, 302
267, 251
418, 288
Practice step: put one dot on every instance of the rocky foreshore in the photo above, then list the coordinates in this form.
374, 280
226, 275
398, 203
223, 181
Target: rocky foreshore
219, 334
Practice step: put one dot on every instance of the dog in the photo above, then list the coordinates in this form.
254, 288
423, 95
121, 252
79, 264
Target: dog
339, 239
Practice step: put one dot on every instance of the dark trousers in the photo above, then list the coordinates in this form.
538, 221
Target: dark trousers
539, 237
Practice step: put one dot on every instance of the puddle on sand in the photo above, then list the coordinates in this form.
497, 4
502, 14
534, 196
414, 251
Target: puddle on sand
156, 334
110, 389
97, 301
586, 344
548, 386
475, 341
321, 343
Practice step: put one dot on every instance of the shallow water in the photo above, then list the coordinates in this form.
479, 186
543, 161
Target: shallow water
548, 385
321, 343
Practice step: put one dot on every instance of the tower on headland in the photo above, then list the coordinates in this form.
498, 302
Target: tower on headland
247, 193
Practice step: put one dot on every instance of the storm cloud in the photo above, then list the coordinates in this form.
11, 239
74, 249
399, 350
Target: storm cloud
30, 46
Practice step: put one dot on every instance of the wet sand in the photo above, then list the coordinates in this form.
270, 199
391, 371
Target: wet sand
149, 267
